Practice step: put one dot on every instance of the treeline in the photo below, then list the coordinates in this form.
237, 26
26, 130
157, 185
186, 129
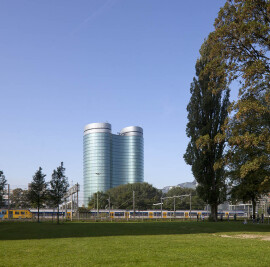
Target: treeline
229, 144
145, 195
39, 193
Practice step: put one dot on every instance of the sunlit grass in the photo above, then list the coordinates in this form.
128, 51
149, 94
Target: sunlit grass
130, 244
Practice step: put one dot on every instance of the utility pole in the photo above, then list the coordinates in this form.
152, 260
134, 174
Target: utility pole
8, 196
97, 204
190, 207
77, 201
70, 198
97, 173
8, 199
161, 208
174, 206
161, 203
65, 208
109, 199
133, 204
71, 207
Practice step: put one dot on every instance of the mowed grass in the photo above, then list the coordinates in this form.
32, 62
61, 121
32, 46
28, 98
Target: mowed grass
133, 244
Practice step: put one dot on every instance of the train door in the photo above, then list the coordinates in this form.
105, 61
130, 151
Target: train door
22, 213
111, 215
186, 214
126, 215
10, 214
164, 214
151, 215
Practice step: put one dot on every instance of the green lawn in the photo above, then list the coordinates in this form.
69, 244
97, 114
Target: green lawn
131, 244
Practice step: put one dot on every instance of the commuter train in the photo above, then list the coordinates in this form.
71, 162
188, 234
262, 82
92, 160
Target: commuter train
116, 214
49, 213
31, 213
156, 214
15, 214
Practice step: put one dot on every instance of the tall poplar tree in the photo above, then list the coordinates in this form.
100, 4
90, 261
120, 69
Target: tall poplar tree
207, 112
242, 40
3, 183
59, 185
38, 190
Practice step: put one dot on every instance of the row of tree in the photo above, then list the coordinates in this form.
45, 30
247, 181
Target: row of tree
145, 195
40, 193
230, 142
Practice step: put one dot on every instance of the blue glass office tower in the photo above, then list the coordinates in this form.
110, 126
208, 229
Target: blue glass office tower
111, 160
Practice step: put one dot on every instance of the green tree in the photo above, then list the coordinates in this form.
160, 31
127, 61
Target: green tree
121, 197
3, 183
19, 199
59, 185
100, 199
38, 190
242, 41
183, 203
207, 112
247, 158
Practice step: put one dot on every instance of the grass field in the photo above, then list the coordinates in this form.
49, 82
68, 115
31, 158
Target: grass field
131, 244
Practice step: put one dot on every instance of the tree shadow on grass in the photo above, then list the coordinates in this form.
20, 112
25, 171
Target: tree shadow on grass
28, 230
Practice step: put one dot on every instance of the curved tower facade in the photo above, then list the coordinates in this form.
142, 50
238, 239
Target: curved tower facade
96, 158
111, 160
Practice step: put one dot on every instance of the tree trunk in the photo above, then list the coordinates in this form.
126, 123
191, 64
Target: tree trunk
38, 214
58, 214
214, 212
253, 209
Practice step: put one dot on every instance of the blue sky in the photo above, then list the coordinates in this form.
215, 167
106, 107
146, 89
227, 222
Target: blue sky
64, 64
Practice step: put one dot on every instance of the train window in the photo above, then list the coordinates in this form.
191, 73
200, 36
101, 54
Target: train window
22, 212
119, 213
16, 212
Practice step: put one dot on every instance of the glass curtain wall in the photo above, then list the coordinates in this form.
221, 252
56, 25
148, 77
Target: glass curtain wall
111, 160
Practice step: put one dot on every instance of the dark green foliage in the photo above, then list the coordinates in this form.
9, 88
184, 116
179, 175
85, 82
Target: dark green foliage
122, 197
207, 112
183, 203
38, 190
59, 185
103, 201
3, 183
19, 199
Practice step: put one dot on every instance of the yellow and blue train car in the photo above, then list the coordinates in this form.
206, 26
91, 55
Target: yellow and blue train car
155, 214
15, 214
49, 213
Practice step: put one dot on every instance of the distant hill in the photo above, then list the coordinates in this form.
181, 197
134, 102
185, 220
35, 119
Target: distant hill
188, 185
183, 185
